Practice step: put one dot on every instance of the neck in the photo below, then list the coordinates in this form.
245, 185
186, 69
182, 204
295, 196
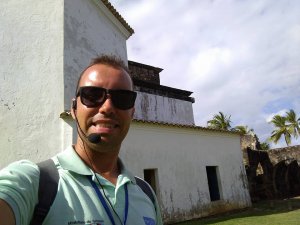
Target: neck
104, 163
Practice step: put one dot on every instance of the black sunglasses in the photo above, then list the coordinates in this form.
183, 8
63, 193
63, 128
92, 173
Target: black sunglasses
95, 96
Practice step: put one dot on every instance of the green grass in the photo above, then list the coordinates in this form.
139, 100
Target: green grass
286, 212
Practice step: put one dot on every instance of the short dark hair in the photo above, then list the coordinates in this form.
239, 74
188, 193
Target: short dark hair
110, 60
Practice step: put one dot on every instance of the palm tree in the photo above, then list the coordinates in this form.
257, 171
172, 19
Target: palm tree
244, 130
293, 123
281, 128
220, 121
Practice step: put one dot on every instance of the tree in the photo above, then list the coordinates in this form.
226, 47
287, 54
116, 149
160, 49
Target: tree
265, 146
293, 123
220, 121
281, 128
244, 130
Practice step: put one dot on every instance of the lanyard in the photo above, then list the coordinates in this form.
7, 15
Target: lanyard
104, 203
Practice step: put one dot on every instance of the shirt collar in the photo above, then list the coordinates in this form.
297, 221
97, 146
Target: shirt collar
125, 174
70, 160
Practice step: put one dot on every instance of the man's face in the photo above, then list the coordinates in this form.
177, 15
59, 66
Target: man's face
107, 120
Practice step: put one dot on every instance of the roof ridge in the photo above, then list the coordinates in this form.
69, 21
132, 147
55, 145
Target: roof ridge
112, 9
193, 126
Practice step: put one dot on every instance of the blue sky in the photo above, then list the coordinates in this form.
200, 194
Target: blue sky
238, 57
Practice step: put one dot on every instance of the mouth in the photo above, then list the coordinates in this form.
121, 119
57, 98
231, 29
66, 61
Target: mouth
105, 125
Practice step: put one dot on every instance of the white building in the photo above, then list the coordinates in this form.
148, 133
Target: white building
44, 47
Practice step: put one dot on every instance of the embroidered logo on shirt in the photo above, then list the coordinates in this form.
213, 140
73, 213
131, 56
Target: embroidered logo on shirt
89, 222
149, 221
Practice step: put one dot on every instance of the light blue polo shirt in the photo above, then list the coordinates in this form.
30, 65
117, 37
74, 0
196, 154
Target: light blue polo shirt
76, 201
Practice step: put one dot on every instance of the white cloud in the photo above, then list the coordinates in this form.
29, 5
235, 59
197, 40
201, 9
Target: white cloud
207, 61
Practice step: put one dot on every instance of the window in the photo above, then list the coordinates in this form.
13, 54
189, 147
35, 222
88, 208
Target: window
259, 170
150, 177
213, 182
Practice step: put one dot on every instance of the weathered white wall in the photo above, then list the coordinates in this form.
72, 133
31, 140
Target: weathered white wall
31, 81
152, 107
180, 156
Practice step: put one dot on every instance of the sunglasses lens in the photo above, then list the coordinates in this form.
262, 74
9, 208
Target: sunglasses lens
92, 96
96, 96
123, 99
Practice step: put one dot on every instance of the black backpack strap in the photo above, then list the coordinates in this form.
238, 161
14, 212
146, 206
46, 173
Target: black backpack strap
47, 191
146, 188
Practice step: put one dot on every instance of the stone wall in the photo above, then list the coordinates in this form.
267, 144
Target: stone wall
287, 153
144, 72
273, 173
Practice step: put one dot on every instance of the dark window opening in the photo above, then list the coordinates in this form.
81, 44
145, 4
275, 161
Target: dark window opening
150, 177
213, 183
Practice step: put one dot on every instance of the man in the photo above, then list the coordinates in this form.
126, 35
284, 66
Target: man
94, 185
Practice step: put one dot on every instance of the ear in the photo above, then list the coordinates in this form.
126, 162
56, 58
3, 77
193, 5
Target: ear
73, 108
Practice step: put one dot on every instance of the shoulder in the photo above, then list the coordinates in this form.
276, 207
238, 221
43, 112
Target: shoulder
19, 178
19, 183
23, 169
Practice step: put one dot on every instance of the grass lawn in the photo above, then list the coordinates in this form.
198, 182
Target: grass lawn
286, 212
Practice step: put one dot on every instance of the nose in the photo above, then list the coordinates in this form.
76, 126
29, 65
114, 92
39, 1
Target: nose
107, 107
